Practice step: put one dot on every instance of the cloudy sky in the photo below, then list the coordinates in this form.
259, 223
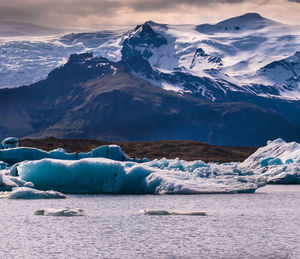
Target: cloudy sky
92, 13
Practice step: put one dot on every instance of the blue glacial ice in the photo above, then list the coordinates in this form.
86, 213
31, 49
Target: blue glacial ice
100, 175
10, 143
19, 154
88, 173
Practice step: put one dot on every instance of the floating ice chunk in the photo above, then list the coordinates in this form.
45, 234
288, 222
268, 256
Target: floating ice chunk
275, 149
28, 193
10, 143
267, 162
64, 212
165, 212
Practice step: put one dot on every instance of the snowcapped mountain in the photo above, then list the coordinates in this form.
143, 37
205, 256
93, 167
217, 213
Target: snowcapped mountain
228, 55
213, 61
92, 97
236, 83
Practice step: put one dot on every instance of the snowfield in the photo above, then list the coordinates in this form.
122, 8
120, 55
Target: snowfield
247, 54
109, 170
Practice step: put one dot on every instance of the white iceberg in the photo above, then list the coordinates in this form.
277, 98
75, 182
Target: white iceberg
29, 193
64, 212
278, 162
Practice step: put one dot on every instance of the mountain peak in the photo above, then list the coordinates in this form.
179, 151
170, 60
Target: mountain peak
248, 21
252, 16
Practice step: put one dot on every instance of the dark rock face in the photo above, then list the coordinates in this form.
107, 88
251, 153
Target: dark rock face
96, 98
201, 56
140, 42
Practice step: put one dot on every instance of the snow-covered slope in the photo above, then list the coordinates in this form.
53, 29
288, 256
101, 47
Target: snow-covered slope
246, 55
27, 60
231, 54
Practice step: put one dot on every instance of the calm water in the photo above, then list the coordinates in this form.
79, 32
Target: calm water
261, 225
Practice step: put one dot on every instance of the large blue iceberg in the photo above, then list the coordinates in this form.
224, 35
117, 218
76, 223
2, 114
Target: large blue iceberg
100, 175
108, 170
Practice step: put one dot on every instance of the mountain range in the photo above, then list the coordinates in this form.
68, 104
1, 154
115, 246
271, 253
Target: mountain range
233, 83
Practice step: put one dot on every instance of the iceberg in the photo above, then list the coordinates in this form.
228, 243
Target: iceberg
10, 143
29, 193
268, 162
15, 155
278, 149
107, 169
165, 212
102, 175
64, 212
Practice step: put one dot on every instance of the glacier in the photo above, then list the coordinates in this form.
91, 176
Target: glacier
107, 170
248, 54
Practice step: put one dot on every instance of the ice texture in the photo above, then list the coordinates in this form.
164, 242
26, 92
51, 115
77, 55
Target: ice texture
63, 212
20, 154
29, 193
278, 162
5, 183
10, 142
166, 212
100, 175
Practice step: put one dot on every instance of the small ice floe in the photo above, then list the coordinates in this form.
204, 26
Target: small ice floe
29, 193
165, 212
62, 212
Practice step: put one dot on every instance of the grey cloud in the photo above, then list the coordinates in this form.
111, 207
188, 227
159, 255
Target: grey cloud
170, 4
80, 12
31, 9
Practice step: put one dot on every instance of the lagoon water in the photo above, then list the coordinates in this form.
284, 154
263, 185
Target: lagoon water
261, 225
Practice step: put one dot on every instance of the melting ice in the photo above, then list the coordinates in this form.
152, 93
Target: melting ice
108, 170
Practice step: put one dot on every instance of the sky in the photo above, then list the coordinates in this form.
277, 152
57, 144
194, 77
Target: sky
93, 13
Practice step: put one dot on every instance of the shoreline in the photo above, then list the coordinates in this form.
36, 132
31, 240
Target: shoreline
170, 149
